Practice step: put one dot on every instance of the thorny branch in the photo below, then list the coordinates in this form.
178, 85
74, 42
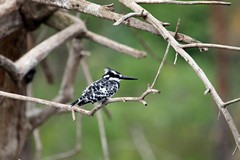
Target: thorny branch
178, 48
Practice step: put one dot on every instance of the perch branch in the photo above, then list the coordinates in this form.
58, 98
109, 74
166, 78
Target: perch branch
44, 102
183, 2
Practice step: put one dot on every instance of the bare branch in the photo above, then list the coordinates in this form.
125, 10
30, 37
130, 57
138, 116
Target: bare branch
44, 102
132, 99
115, 45
209, 45
183, 2
127, 16
177, 47
231, 102
161, 65
38, 53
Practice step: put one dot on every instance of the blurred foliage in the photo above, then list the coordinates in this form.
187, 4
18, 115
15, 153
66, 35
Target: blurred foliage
178, 123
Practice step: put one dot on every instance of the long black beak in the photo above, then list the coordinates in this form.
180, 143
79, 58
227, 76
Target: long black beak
127, 78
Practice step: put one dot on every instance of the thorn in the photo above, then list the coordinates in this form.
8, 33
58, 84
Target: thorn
175, 60
73, 115
143, 102
234, 151
123, 99
206, 91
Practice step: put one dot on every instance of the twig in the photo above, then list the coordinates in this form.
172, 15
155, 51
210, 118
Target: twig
127, 16
133, 99
176, 33
161, 65
209, 45
183, 2
231, 102
164, 57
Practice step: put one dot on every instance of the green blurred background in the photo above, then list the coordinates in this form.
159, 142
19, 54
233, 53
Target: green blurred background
181, 123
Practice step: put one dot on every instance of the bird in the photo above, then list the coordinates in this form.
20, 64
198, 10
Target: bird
102, 89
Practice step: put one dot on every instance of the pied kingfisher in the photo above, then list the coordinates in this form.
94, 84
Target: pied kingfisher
102, 89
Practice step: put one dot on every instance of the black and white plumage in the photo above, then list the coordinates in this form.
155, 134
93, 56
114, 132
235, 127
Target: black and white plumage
102, 89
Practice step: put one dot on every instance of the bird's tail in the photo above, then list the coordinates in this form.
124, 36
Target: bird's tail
80, 101
76, 102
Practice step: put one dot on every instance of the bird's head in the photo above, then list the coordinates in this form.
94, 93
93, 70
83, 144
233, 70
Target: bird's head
111, 74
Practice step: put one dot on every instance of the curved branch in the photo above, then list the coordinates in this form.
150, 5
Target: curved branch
9, 67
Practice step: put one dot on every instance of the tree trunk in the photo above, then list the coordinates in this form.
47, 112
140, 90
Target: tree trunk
16, 19
14, 126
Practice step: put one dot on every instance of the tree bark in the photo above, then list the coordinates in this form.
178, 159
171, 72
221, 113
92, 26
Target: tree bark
13, 122
16, 19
